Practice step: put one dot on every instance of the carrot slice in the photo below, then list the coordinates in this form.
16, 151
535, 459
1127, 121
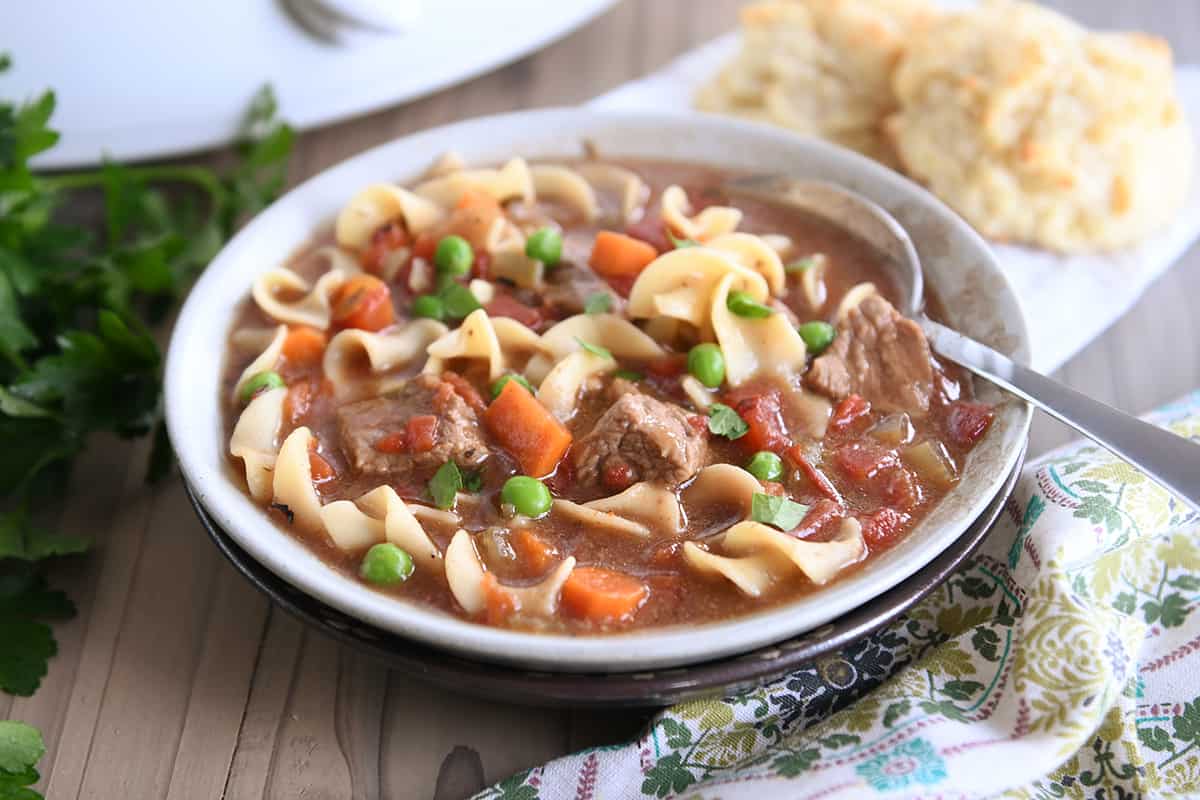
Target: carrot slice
602, 595
304, 346
526, 429
363, 302
477, 199
534, 552
500, 603
616, 255
321, 469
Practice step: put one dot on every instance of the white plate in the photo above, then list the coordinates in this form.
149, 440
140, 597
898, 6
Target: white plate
958, 265
138, 79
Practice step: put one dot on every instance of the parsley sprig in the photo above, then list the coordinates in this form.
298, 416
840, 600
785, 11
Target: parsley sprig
79, 299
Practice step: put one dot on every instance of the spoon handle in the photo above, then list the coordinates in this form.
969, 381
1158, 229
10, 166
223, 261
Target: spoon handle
1171, 460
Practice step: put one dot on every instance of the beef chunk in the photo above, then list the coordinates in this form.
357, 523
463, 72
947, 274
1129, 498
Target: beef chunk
652, 439
877, 354
364, 424
568, 287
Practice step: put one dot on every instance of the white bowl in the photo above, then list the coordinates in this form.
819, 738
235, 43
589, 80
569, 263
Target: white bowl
958, 265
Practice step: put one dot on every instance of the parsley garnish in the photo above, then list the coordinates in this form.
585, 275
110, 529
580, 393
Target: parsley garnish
473, 480
744, 305
444, 485
78, 299
598, 303
780, 512
594, 349
629, 375
724, 421
804, 264
679, 244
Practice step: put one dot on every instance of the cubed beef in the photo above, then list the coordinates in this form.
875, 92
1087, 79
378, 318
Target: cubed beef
879, 355
643, 438
365, 424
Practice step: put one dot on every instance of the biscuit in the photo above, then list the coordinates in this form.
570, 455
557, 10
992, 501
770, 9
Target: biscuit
820, 67
1039, 131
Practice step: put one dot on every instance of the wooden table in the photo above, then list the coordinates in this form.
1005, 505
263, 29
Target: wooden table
179, 680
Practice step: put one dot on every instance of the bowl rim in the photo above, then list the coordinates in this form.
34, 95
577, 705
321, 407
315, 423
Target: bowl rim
192, 398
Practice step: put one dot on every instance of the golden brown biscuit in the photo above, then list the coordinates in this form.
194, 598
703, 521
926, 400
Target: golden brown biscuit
821, 67
1038, 131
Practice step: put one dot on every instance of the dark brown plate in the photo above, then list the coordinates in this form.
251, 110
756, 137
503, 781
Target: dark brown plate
647, 688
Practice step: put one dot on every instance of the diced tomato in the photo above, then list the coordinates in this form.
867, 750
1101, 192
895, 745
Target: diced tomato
819, 515
387, 238
773, 488
424, 246
651, 230
967, 422
881, 527
863, 460
669, 366
762, 414
617, 475
852, 409
900, 489
483, 265
795, 454
322, 471
393, 443
698, 423
505, 305
297, 402
563, 478
421, 433
464, 389
622, 285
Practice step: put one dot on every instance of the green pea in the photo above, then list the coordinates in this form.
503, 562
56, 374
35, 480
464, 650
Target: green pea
765, 465
261, 382
707, 363
544, 245
429, 306
498, 386
817, 335
454, 256
385, 564
744, 305
528, 496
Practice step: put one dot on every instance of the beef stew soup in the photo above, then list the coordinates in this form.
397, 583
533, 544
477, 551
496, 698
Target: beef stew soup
589, 397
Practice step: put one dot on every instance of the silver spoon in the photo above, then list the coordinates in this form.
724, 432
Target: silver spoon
1171, 460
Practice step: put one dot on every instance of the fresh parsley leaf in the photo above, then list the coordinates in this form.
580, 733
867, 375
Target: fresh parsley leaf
473, 480
25, 604
458, 301
594, 349
744, 305
681, 243
804, 264
629, 375
20, 540
445, 485
777, 511
598, 303
21, 747
724, 421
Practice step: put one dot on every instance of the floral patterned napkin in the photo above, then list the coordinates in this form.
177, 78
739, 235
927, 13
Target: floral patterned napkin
1062, 661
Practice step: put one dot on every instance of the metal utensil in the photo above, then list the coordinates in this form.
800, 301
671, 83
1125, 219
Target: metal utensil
1170, 460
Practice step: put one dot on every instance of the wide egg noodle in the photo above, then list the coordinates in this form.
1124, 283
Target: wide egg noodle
355, 360
753, 252
254, 441
559, 390
712, 221
754, 575
293, 485
509, 182
502, 342
754, 346
614, 333
564, 184
645, 502
379, 515
599, 520
722, 484
680, 284
853, 298
819, 561
631, 191
379, 204
313, 307
267, 360
465, 575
